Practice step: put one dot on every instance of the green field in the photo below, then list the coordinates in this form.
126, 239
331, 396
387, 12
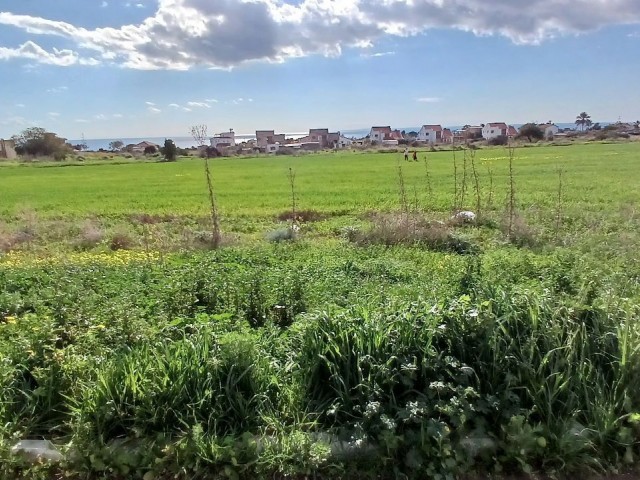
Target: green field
382, 340
598, 177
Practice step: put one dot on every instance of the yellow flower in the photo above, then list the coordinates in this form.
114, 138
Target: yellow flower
10, 320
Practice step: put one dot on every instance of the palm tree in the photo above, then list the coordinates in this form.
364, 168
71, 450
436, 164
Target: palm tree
583, 120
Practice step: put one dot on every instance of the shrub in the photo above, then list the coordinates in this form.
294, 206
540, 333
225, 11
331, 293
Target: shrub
288, 234
499, 140
302, 216
90, 236
121, 241
395, 229
150, 150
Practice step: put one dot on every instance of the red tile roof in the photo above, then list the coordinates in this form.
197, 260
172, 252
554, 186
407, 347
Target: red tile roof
435, 128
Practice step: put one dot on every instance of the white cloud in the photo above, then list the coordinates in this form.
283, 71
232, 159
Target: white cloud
151, 104
428, 99
211, 100
31, 51
198, 105
57, 89
185, 33
117, 115
54, 114
81, 120
104, 4
174, 105
100, 116
634, 34
20, 105
377, 54
139, 5
186, 109
154, 110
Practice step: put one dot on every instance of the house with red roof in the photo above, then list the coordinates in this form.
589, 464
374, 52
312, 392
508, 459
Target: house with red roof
430, 133
385, 135
447, 135
494, 130
378, 134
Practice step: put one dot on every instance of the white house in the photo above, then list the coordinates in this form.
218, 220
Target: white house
226, 139
549, 129
430, 133
493, 130
273, 147
344, 142
378, 134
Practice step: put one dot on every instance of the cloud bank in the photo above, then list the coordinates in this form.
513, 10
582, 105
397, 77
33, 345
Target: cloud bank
182, 34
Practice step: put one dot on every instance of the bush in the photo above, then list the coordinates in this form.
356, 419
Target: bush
37, 142
150, 150
90, 236
121, 241
499, 140
288, 234
397, 229
302, 216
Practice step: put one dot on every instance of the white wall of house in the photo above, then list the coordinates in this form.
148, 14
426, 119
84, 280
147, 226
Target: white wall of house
273, 147
390, 143
344, 142
489, 132
226, 138
427, 135
376, 135
550, 130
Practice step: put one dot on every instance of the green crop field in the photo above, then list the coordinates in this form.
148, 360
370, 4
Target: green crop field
372, 336
598, 177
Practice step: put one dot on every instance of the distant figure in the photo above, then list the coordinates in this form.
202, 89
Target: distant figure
406, 154
415, 156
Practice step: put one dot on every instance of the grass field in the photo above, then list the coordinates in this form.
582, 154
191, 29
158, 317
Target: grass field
383, 340
597, 176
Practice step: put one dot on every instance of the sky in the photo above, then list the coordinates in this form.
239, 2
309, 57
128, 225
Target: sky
117, 68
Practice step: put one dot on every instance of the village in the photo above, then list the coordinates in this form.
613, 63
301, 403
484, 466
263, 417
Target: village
268, 141
318, 139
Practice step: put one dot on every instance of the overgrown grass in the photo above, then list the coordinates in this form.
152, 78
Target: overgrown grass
369, 347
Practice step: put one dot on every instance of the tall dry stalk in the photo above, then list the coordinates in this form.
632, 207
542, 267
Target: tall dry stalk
559, 205
476, 180
455, 181
292, 184
216, 239
428, 181
463, 187
404, 203
512, 190
199, 134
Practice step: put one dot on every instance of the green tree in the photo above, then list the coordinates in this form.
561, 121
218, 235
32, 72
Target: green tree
36, 141
116, 145
531, 131
170, 151
583, 120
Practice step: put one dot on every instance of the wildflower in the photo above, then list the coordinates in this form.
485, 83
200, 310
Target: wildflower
10, 320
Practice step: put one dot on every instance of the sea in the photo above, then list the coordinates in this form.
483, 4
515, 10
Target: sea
95, 144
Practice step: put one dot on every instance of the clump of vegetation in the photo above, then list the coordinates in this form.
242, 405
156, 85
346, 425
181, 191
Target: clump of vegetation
169, 150
37, 142
288, 234
302, 216
396, 229
90, 236
121, 241
499, 140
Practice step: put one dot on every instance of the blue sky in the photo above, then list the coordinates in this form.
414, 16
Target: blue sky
116, 68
